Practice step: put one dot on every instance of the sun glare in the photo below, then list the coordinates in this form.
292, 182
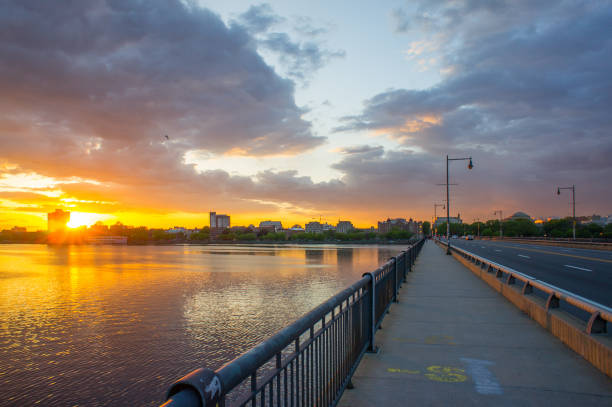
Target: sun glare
78, 219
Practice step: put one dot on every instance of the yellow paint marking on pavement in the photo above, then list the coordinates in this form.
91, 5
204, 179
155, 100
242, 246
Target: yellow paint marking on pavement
393, 370
439, 340
446, 374
568, 255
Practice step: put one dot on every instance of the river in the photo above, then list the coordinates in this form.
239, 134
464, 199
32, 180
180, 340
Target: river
115, 325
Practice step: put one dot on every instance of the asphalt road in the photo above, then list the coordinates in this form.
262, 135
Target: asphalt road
587, 273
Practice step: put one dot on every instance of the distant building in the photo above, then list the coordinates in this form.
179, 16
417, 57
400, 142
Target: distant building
219, 221
390, 224
519, 215
297, 228
179, 229
442, 219
597, 219
272, 225
57, 221
18, 229
313, 227
344, 226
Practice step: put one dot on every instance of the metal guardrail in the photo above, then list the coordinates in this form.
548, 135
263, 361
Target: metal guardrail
599, 314
310, 362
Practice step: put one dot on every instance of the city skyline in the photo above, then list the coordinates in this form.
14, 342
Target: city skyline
302, 111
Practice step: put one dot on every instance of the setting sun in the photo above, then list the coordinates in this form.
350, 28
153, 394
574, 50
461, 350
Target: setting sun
78, 219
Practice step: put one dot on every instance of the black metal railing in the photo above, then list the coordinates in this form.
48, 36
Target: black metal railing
310, 362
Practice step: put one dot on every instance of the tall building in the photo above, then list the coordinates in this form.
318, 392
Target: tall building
219, 221
344, 226
57, 221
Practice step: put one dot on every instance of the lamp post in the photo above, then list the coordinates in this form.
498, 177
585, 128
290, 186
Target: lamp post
470, 166
436, 215
573, 188
501, 232
478, 227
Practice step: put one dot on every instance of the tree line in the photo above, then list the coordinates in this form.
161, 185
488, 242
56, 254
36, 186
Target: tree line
558, 228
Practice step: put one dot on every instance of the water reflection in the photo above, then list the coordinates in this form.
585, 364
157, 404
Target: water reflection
103, 325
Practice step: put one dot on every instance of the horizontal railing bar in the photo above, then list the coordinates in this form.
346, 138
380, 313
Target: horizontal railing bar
320, 360
292, 356
234, 372
574, 299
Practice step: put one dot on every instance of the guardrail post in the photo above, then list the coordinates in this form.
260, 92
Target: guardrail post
552, 301
372, 288
200, 387
596, 325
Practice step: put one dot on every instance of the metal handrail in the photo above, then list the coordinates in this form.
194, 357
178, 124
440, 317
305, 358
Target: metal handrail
599, 312
287, 369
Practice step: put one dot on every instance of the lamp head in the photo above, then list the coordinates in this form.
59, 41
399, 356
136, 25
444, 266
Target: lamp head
470, 165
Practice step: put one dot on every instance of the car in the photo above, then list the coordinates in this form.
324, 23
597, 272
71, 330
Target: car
469, 237
454, 237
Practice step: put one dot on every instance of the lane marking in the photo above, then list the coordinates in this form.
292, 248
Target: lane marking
577, 268
484, 380
522, 255
568, 255
482, 247
497, 250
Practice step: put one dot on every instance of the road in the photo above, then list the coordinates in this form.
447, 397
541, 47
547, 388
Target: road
587, 273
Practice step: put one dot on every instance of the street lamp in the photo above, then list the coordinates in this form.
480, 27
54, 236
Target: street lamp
478, 227
470, 166
501, 233
436, 215
573, 188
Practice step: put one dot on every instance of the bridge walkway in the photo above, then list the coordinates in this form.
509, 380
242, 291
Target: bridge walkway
452, 340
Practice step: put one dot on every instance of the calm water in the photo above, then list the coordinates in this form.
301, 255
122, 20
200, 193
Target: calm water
104, 325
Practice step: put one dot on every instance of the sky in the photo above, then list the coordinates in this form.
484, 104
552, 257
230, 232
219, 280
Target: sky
156, 112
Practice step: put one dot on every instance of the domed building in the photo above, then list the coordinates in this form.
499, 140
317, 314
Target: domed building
519, 215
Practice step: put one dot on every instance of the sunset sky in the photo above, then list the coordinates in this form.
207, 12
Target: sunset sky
299, 110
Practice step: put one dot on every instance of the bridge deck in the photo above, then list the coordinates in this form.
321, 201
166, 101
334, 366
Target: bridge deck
452, 340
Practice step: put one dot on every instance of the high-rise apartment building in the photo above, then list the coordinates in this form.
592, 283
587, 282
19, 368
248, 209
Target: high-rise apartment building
344, 226
219, 221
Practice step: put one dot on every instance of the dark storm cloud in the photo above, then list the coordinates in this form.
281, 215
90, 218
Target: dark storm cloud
131, 71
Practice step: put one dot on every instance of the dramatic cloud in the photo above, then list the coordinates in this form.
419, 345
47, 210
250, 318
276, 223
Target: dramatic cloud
111, 74
526, 82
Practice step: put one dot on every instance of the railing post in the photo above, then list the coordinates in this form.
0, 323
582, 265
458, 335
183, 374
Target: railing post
395, 279
372, 288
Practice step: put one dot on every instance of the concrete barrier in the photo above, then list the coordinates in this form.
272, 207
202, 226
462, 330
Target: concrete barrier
596, 348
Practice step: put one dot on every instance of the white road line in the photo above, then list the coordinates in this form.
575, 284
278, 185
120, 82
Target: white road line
522, 255
497, 250
482, 247
577, 268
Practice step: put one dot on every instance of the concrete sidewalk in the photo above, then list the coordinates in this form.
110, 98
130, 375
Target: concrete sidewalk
453, 341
